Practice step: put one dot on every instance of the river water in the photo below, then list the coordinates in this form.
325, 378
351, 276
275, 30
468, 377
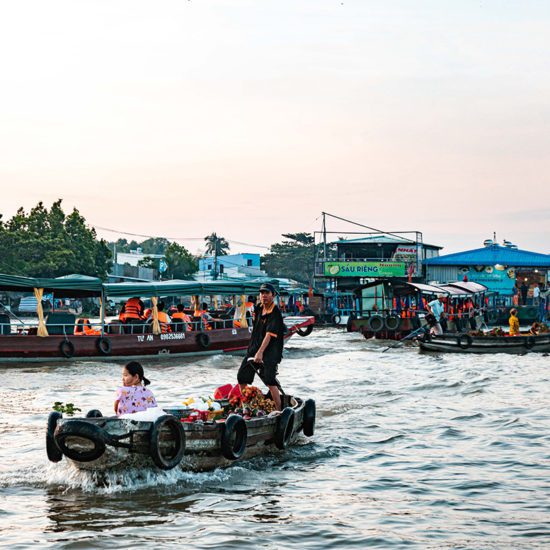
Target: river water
411, 450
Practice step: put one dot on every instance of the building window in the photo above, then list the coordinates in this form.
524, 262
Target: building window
221, 268
209, 267
249, 263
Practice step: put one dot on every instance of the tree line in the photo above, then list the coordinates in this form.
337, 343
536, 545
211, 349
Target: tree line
49, 243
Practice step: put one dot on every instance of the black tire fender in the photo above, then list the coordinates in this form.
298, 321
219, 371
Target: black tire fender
530, 341
234, 436
103, 345
161, 460
81, 429
375, 323
285, 428
66, 348
94, 413
306, 331
392, 322
492, 316
464, 341
203, 340
52, 450
336, 319
308, 421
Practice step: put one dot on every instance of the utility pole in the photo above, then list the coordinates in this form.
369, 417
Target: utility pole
215, 256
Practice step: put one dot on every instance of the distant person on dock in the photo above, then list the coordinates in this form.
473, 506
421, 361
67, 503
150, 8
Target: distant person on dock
266, 344
524, 289
435, 307
133, 396
514, 322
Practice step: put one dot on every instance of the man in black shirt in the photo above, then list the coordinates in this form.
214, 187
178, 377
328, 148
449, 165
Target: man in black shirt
266, 344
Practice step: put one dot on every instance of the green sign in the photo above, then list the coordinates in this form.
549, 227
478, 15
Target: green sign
365, 269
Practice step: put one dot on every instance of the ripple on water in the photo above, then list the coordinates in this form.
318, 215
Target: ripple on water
410, 450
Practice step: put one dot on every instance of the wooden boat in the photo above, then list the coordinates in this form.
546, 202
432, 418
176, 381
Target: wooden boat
401, 309
101, 444
58, 342
466, 343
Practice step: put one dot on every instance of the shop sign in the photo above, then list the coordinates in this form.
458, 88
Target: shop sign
495, 279
364, 269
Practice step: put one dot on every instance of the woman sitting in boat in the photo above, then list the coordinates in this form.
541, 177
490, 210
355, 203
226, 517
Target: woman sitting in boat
133, 396
514, 322
535, 329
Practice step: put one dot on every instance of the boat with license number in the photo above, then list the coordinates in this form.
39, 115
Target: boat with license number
106, 444
56, 336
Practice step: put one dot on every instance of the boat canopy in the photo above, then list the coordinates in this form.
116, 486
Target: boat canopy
180, 288
455, 292
74, 286
470, 286
68, 286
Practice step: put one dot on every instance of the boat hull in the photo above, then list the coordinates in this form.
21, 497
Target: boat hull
463, 343
19, 348
203, 441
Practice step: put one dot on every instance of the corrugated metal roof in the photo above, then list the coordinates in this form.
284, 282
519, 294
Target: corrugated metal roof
492, 255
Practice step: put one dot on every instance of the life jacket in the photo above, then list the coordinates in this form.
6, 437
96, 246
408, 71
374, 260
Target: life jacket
203, 315
133, 309
184, 318
164, 322
83, 328
122, 315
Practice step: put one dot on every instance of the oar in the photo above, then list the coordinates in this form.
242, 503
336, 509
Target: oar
257, 371
408, 337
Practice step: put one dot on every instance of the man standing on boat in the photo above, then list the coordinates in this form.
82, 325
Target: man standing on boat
435, 307
266, 344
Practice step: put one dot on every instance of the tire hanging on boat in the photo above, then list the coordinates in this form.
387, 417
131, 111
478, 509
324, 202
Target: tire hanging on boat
66, 348
308, 422
157, 453
336, 319
285, 428
234, 436
392, 322
464, 341
492, 315
94, 413
83, 430
52, 450
103, 345
306, 332
375, 323
203, 340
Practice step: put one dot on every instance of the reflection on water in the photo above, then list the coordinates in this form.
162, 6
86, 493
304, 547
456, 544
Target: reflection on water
411, 449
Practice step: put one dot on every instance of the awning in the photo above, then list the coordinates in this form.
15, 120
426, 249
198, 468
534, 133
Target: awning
180, 288
69, 286
470, 286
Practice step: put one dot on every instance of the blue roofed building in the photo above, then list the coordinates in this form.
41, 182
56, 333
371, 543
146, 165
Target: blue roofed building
499, 267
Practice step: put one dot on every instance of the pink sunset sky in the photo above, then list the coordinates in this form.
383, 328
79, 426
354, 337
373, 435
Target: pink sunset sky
250, 117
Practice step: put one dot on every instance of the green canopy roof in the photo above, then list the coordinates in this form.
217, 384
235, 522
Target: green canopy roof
67, 286
82, 285
179, 288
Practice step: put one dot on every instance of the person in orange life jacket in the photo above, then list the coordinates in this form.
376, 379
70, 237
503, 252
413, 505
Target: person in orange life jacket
204, 315
164, 320
84, 328
133, 312
147, 314
266, 344
180, 320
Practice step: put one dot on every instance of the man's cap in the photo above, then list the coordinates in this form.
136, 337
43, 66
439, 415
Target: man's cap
267, 287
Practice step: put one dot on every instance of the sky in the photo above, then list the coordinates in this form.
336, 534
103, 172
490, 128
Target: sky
249, 118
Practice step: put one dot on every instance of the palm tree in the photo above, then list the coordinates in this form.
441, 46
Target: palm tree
217, 246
